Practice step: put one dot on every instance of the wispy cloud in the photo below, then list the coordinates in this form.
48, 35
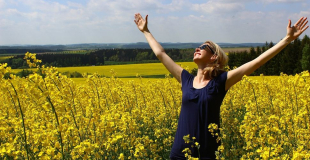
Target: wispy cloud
87, 21
218, 7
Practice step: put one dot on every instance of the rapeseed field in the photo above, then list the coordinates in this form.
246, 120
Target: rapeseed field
52, 117
128, 70
4, 57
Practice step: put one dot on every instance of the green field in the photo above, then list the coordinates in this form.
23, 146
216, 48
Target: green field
147, 70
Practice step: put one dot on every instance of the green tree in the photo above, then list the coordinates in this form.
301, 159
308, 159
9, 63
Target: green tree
305, 60
114, 58
16, 63
142, 56
24, 73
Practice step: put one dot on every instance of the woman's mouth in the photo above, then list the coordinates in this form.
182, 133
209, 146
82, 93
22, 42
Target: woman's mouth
196, 53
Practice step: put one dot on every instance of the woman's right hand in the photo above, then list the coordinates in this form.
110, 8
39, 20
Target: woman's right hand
297, 29
141, 23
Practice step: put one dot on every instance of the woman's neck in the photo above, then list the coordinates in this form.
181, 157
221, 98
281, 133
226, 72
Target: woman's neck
201, 75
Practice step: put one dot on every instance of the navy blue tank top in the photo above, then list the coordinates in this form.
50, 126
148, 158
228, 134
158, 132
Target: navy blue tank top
200, 107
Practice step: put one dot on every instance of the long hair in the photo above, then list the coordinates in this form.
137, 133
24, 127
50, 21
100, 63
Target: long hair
218, 66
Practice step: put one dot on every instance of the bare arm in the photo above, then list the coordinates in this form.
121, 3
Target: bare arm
159, 51
293, 32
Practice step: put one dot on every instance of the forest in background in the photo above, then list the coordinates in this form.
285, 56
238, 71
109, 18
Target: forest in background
293, 59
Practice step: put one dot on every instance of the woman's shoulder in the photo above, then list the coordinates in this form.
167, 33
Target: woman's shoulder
222, 76
220, 79
186, 78
186, 74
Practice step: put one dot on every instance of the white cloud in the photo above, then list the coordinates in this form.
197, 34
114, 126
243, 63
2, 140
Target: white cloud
75, 5
119, 7
304, 13
107, 21
12, 12
296, 16
2, 3
218, 7
283, 1
44, 6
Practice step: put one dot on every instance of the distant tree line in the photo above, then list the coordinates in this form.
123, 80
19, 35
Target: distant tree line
293, 59
59, 60
99, 57
18, 51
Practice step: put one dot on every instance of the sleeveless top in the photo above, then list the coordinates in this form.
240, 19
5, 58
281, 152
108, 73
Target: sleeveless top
200, 107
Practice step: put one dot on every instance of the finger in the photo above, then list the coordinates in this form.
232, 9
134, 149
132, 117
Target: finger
139, 16
146, 17
289, 23
136, 19
304, 24
303, 21
297, 23
304, 29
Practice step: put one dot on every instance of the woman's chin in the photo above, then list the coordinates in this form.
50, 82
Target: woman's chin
196, 59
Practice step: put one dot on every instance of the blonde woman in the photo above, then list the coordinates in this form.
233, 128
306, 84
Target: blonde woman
203, 94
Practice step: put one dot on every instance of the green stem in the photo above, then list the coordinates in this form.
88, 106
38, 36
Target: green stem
13, 102
72, 94
254, 97
110, 91
23, 122
59, 132
97, 92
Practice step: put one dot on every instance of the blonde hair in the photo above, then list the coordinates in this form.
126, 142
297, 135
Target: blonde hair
218, 66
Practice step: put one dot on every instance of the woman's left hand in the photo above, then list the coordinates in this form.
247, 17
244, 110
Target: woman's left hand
297, 29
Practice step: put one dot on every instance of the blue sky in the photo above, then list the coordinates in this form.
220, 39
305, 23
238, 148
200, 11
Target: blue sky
111, 21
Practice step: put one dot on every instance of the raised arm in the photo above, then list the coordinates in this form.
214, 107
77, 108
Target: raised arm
293, 32
159, 51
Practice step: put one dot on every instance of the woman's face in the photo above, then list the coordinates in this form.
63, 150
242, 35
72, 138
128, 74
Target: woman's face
203, 54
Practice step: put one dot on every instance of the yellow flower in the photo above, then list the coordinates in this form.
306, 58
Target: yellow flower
264, 117
121, 156
196, 144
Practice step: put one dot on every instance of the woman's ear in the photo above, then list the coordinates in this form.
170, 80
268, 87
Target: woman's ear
214, 57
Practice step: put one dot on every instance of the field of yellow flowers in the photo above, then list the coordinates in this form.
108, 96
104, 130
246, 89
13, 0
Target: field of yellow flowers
125, 70
49, 116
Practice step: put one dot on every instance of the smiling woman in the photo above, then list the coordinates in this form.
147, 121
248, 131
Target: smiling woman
202, 95
218, 59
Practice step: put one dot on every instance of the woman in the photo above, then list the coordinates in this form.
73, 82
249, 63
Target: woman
204, 93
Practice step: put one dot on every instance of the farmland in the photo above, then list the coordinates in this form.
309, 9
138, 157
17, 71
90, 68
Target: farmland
4, 57
108, 118
131, 72
147, 70
53, 117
